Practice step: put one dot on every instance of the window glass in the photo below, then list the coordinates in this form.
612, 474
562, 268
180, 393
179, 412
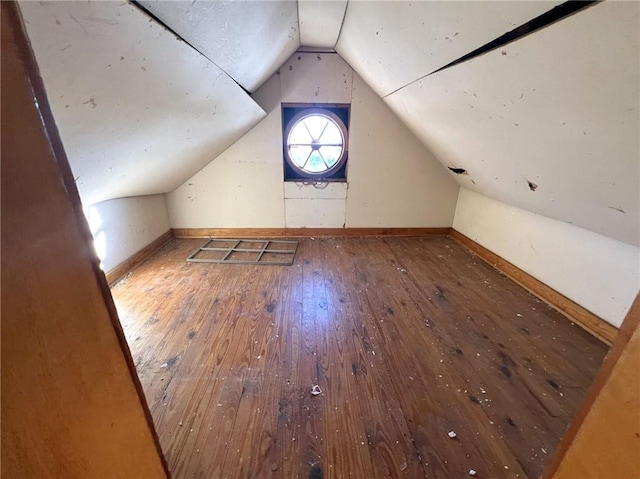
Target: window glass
315, 143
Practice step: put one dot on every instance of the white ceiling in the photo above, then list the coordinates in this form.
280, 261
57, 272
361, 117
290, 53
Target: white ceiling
391, 44
558, 107
247, 39
138, 112
320, 22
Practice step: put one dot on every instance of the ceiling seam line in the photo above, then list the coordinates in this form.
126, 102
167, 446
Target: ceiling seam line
299, 24
137, 4
344, 16
557, 13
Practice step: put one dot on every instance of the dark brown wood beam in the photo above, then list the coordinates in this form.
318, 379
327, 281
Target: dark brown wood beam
303, 232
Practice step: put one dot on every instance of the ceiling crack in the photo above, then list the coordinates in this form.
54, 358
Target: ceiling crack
554, 15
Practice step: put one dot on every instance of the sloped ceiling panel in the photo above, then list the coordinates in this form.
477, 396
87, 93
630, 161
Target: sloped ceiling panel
320, 22
558, 108
138, 111
391, 44
249, 40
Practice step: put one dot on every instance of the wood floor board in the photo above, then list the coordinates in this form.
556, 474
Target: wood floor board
408, 339
384, 433
434, 378
584, 318
495, 360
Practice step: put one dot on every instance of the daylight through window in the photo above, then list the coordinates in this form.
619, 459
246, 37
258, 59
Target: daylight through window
316, 143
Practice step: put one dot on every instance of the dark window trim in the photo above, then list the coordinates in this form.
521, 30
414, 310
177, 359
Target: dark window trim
290, 112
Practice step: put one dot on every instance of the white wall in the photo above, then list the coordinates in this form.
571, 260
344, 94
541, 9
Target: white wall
124, 226
317, 78
393, 180
241, 188
595, 271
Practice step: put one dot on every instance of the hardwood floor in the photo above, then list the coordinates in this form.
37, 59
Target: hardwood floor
408, 339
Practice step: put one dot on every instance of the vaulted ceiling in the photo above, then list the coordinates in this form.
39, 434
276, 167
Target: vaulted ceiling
548, 122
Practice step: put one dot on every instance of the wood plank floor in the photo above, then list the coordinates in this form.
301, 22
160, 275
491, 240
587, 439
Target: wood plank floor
408, 338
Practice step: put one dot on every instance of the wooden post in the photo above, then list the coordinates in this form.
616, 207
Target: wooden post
71, 401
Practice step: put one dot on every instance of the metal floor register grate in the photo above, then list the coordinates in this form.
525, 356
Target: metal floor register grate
245, 251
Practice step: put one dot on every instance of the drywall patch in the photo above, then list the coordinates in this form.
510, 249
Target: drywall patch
315, 190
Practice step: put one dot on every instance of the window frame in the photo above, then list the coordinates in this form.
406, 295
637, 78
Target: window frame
339, 114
